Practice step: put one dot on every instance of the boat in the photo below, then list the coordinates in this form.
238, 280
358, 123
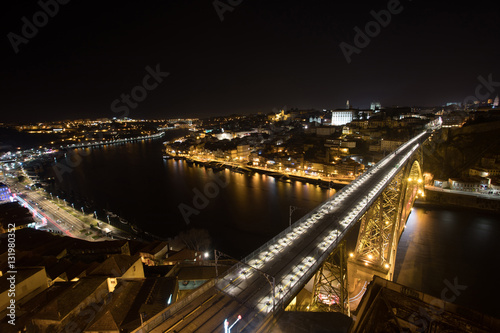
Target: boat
166, 157
211, 164
238, 170
110, 213
284, 178
276, 175
245, 169
135, 228
218, 167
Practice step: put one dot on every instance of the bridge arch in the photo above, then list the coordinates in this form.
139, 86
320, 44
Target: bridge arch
380, 230
382, 225
412, 188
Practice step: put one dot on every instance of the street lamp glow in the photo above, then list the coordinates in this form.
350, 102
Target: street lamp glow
227, 328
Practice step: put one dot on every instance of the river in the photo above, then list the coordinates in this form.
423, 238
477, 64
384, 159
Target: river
443, 243
133, 181
242, 211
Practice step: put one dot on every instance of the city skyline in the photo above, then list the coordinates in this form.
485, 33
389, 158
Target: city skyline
206, 59
249, 166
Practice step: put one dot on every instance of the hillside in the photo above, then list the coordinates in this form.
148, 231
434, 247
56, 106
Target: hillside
453, 151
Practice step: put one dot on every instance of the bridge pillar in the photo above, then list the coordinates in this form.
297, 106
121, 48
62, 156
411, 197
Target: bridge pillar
381, 228
330, 293
374, 253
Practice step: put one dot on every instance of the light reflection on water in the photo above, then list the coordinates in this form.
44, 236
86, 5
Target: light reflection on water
444, 243
133, 181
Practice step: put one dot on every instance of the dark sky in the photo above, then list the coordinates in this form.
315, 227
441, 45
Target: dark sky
264, 54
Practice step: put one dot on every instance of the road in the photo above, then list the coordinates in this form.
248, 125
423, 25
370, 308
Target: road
288, 260
60, 219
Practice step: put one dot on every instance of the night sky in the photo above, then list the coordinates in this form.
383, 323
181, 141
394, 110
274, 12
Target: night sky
263, 55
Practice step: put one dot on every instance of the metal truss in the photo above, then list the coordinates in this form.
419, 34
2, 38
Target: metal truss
330, 293
377, 226
382, 225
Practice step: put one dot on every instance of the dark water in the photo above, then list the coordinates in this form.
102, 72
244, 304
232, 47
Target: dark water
441, 244
135, 182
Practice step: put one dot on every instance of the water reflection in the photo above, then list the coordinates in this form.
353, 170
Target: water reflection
441, 244
134, 181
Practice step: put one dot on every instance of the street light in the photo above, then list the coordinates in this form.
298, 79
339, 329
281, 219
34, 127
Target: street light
292, 209
227, 328
270, 279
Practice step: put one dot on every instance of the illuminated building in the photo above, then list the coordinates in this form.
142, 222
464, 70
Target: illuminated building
4, 192
341, 117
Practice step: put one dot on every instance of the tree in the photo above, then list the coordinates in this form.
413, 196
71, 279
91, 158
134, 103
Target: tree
195, 239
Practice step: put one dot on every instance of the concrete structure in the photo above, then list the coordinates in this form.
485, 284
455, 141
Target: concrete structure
390, 145
243, 152
120, 265
132, 302
28, 282
375, 106
342, 117
470, 184
391, 307
73, 308
154, 252
14, 217
484, 172
4, 192
101, 248
182, 256
325, 131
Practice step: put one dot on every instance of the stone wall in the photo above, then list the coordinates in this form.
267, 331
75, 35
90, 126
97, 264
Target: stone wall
463, 200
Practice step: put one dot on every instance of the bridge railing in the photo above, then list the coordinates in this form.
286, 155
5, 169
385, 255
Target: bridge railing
319, 207
321, 256
317, 254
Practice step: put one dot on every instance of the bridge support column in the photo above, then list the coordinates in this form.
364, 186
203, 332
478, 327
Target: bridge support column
330, 289
381, 228
374, 251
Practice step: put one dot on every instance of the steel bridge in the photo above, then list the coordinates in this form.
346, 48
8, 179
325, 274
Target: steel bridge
312, 252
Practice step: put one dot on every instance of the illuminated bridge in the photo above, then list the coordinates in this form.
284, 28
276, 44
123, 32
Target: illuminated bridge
311, 252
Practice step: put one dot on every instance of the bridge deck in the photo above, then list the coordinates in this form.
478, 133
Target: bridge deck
288, 260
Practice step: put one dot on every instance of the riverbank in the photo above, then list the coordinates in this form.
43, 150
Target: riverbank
113, 142
440, 197
218, 165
